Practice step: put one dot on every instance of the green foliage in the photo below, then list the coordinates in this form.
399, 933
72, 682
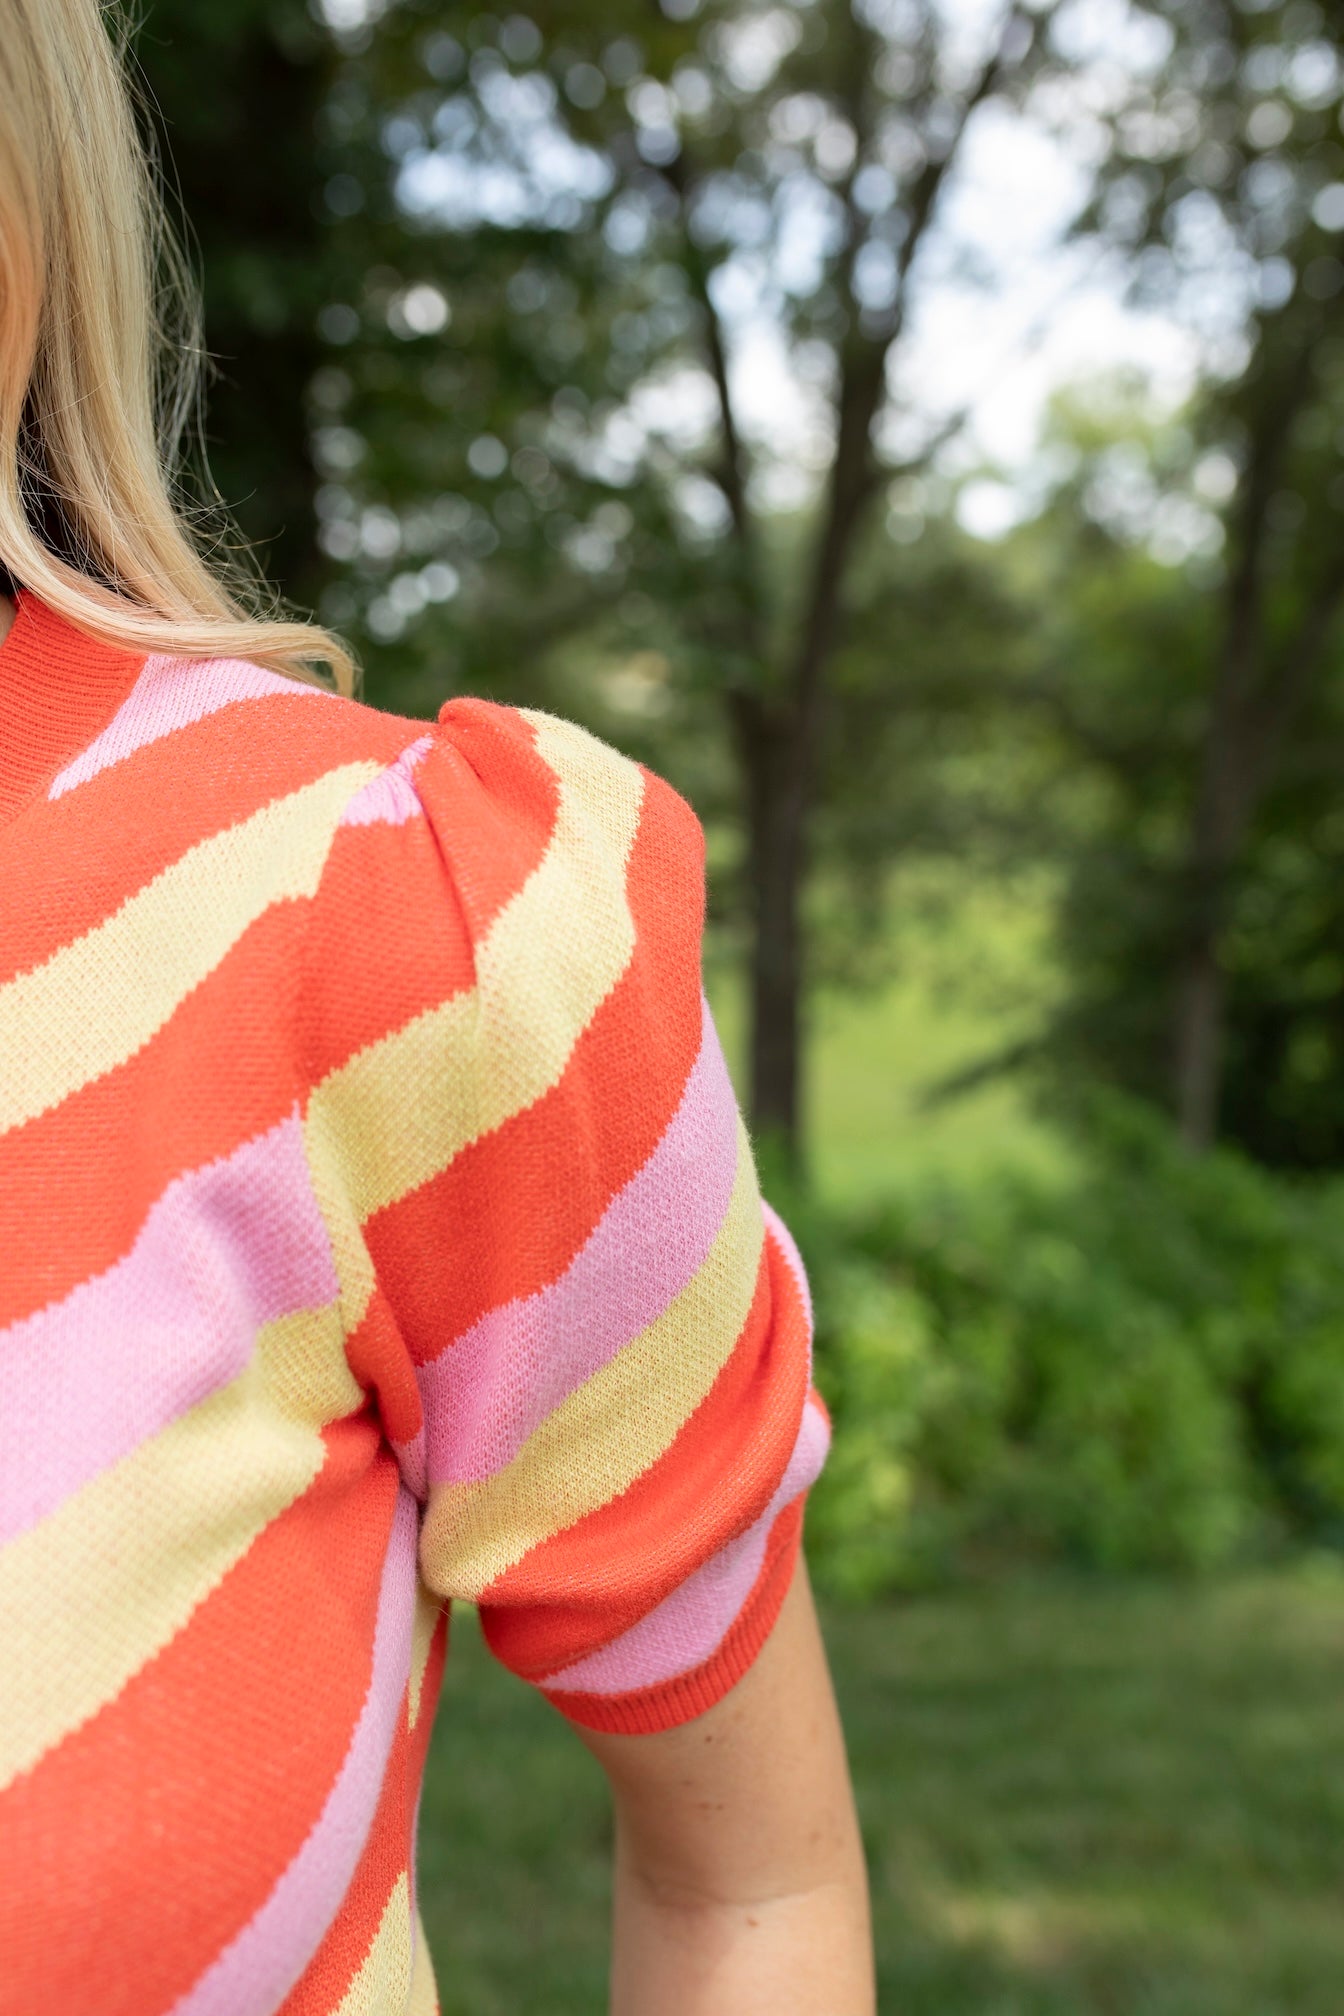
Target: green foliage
1107, 702
879, 1372
1202, 920
1141, 1368
1076, 1801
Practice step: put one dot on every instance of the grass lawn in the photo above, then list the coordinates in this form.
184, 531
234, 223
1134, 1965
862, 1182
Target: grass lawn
970, 978
1076, 1798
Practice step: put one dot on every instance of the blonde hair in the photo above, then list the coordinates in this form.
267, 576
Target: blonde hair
100, 357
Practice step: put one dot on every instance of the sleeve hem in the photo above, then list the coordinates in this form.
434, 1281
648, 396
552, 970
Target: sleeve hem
649, 1710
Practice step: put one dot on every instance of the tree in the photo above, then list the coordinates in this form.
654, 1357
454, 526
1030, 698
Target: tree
1224, 184
1108, 700
601, 210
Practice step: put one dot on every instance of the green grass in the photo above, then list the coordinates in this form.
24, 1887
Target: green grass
970, 979
1078, 1800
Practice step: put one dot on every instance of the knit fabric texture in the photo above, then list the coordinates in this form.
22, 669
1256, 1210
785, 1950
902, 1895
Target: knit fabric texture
379, 1227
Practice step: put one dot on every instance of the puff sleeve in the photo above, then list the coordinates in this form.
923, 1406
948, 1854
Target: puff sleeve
589, 1340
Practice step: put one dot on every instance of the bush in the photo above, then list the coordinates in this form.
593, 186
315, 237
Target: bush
1143, 1368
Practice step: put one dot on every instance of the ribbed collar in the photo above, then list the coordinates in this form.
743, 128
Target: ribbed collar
58, 689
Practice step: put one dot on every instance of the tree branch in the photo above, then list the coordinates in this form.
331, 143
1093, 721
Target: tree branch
733, 476
929, 183
732, 473
1233, 773
862, 382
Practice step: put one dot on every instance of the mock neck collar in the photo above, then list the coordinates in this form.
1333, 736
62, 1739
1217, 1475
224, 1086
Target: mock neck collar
58, 689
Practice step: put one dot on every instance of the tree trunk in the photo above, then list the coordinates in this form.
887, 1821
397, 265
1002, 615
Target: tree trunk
1253, 711
778, 739
1222, 813
1201, 1003
1226, 793
776, 825
1248, 713
1257, 697
778, 746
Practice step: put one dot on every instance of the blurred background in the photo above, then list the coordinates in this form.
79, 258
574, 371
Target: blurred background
915, 428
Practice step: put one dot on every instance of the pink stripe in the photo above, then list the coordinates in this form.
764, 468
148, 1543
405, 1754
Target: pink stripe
691, 1623
485, 1394
225, 1249
390, 798
258, 1968
171, 693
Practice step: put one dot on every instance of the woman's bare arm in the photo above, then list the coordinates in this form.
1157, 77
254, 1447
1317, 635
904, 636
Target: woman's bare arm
740, 1881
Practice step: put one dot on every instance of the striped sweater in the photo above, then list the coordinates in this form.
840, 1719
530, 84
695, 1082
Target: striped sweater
378, 1228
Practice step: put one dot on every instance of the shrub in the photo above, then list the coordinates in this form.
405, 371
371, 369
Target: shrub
1142, 1367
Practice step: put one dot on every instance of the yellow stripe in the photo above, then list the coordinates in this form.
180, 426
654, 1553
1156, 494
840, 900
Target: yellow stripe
398, 1112
383, 1982
99, 1000
94, 1591
428, 1610
598, 1441
424, 1996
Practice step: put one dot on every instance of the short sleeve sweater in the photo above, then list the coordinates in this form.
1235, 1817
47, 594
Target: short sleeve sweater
378, 1227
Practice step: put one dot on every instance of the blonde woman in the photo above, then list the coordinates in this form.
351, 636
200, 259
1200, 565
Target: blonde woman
377, 1227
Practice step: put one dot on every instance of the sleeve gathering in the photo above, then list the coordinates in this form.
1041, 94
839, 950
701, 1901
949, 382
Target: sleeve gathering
589, 1340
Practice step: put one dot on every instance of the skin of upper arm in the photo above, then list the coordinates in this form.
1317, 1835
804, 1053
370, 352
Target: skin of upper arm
751, 1800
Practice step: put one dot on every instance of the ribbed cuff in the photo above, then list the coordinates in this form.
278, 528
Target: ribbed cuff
648, 1710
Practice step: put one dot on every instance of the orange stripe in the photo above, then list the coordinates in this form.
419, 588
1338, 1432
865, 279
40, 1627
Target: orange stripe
395, 943
147, 1122
425, 916
178, 1806
113, 834
514, 1226
375, 1351
494, 801
646, 1710
387, 1852
708, 1486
